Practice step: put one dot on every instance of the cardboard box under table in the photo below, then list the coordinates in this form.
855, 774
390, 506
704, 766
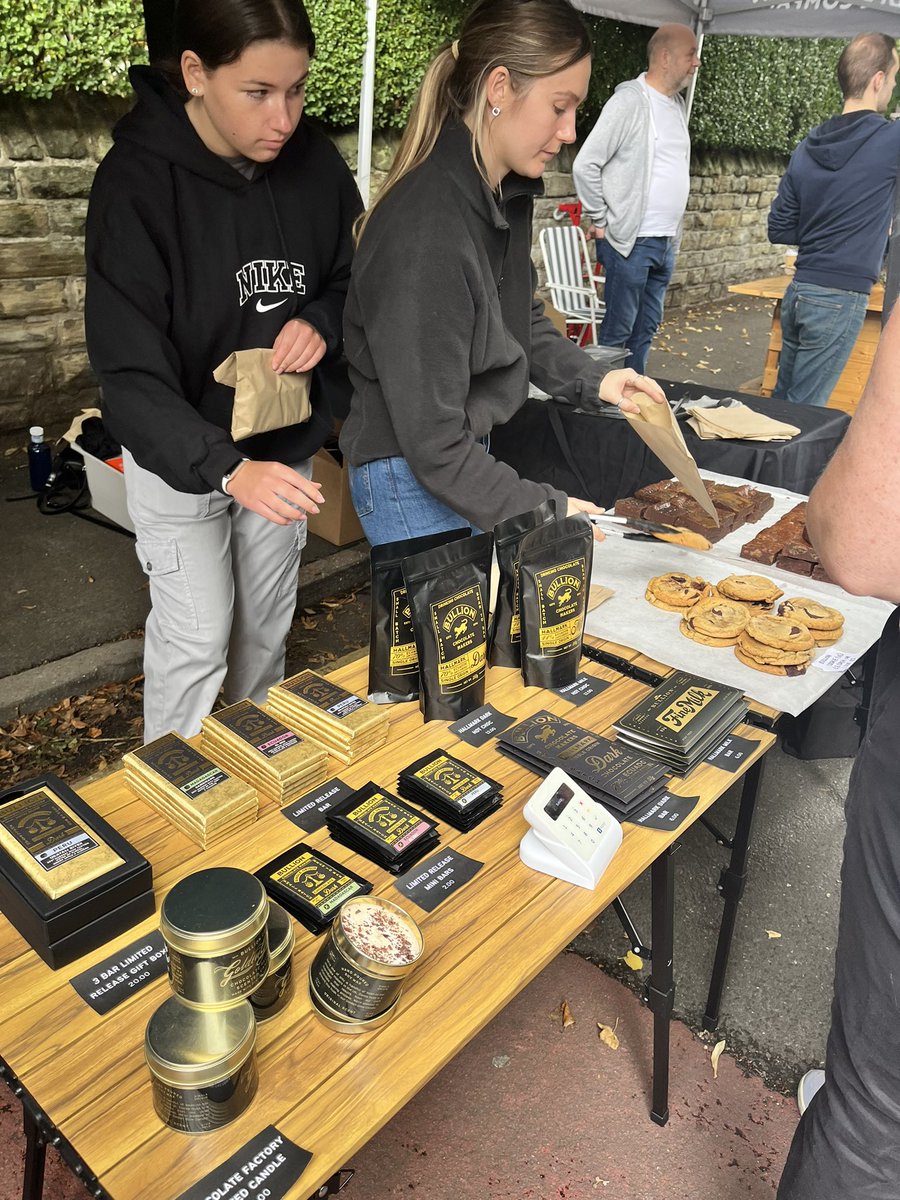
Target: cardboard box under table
84, 1075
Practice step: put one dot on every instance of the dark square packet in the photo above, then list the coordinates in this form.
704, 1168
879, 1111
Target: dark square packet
310, 885
449, 788
388, 832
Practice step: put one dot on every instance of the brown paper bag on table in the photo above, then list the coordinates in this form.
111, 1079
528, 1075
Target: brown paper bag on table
739, 421
263, 400
656, 424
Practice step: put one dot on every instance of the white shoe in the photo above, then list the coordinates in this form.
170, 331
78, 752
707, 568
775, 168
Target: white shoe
807, 1088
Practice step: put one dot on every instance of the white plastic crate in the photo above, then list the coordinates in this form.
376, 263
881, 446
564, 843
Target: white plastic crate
107, 489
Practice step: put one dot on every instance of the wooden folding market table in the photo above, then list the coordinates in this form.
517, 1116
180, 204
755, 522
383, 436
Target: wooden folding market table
82, 1079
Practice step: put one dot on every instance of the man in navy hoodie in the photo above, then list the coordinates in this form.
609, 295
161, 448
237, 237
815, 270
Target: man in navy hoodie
834, 203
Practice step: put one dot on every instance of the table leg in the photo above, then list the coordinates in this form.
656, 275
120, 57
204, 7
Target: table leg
35, 1158
731, 888
660, 988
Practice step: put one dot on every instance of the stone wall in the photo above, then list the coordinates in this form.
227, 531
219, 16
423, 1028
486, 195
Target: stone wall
48, 154
725, 238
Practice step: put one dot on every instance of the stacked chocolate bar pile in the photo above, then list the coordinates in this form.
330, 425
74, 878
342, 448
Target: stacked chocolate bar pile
786, 544
669, 503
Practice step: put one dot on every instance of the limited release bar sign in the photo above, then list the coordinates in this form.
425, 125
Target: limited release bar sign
263, 1169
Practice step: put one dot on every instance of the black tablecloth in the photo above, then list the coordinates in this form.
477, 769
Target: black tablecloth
601, 458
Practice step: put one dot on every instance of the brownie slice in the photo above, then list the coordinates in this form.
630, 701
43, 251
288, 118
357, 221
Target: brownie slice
819, 572
630, 506
764, 548
653, 493
799, 566
801, 548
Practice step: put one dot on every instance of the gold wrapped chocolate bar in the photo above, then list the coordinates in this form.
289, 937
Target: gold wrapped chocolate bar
346, 725
249, 741
57, 851
192, 792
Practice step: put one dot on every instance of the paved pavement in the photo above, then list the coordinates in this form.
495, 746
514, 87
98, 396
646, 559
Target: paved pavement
528, 1110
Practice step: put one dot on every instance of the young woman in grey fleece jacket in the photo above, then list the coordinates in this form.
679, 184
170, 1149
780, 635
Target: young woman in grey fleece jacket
441, 329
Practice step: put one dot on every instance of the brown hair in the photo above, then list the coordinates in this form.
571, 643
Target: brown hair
219, 31
865, 56
531, 38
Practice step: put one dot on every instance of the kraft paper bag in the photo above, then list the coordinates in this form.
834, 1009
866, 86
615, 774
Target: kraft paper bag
656, 424
737, 421
263, 400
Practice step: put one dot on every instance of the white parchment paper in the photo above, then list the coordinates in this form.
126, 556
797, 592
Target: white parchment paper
626, 566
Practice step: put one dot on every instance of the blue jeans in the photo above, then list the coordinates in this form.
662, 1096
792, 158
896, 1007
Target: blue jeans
634, 291
819, 327
392, 505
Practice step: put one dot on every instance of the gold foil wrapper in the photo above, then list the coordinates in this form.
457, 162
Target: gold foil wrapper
57, 850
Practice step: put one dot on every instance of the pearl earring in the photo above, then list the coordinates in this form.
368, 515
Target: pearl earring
195, 91
495, 111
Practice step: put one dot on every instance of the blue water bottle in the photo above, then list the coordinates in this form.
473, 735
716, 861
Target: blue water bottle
39, 459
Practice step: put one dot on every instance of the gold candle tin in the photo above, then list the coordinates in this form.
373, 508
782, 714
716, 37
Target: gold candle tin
214, 926
202, 1064
357, 975
277, 989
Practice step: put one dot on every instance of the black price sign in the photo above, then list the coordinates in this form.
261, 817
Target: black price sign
583, 689
480, 726
429, 883
263, 1169
113, 980
731, 753
667, 812
309, 811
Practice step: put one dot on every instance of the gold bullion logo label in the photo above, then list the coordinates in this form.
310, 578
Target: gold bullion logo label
560, 591
461, 635
403, 658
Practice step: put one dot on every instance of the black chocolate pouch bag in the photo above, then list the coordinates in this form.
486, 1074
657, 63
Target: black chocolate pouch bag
393, 662
505, 638
554, 579
448, 596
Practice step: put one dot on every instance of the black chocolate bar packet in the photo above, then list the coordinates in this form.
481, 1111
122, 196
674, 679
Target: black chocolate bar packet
393, 663
505, 636
448, 595
382, 828
310, 885
554, 580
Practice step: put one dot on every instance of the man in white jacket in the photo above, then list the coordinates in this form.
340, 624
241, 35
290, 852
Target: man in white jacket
633, 176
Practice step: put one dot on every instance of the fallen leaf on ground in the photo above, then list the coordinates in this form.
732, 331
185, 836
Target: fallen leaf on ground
773, 933
607, 1034
716, 1055
633, 960
566, 1013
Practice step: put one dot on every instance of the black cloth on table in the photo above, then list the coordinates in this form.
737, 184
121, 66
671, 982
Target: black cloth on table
611, 460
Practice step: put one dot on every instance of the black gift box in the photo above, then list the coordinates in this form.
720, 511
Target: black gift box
63, 929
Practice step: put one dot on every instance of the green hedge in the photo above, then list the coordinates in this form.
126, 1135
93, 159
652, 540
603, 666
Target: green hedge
753, 93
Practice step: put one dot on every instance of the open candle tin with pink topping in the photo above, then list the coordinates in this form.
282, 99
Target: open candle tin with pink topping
357, 975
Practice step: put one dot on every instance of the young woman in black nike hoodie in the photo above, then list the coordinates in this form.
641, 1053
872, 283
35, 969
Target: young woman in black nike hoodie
219, 221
